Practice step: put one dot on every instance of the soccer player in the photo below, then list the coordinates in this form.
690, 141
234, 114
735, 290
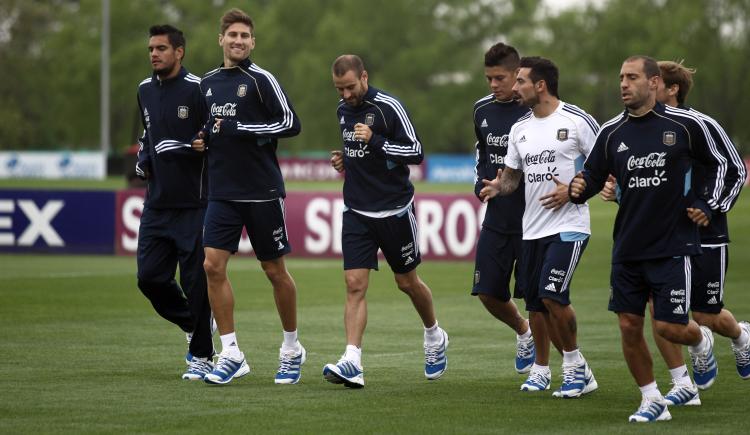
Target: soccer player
649, 148
499, 246
249, 111
172, 110
379, 143
544, 147
707, 288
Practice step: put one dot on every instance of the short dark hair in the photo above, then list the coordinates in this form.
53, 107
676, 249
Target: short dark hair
542, 69
347, 62
235, 15
675, 73
502, 55
175, 36
650, 66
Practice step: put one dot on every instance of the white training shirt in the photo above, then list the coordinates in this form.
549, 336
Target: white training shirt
557, 145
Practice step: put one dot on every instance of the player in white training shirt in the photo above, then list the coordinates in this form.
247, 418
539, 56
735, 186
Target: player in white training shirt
546, 148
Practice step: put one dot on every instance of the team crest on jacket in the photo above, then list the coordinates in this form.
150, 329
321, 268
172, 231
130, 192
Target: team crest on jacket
182, 112
562, 134
669, 138
370, 119
242, 90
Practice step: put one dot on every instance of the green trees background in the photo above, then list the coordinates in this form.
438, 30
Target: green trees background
429, 53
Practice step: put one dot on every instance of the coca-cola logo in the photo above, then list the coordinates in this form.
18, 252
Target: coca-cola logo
546, 156
653, 160
347, 135
228, 109
497, 141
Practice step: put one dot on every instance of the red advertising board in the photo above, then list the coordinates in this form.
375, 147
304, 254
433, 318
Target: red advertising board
448, 224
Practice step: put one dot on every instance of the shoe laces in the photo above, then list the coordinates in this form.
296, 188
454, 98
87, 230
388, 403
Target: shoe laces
224, 359
742, 354
200, 365
701, 362
432, 353
647, 403
676, 388
286, 359
538, 377
569, 373
524, 348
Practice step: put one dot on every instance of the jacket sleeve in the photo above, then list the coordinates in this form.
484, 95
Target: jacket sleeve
705, 151
403, 146
480, 157
282, 120
735, 175
143, 165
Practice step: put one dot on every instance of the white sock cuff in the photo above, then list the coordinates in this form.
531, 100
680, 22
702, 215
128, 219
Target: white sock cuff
290, 339
650, 390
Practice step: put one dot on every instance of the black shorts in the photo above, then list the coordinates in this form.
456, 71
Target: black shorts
264, 222
396, 236
707, 295
667, 279
496, 260
546, 269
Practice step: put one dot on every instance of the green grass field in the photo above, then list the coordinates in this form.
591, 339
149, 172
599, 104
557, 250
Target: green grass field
85, 353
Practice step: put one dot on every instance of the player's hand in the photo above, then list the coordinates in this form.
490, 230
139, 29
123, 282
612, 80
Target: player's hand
199, 144
577, 185
557, 198
491, 187
608, 192
337, 160
362, 132
696, 215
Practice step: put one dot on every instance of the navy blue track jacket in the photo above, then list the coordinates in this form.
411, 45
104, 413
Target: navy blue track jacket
377, 175
652, 158
255, 112
492, 122
172, 111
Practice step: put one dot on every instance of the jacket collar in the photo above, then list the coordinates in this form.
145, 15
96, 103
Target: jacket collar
180, 75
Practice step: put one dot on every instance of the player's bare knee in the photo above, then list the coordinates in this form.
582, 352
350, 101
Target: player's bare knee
630, 326
355, 286
409, 283
213, 269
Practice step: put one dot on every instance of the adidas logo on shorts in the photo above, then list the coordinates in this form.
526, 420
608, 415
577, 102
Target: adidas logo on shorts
550, 287
713, 300
678, 310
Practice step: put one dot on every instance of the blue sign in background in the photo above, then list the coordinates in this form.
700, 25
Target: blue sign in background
450, 168
85, 222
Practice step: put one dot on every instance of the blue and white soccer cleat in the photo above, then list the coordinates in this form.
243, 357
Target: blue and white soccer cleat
651, 410
435, 358
290, 363
683, 395
227, 369
704, 364
198, 369
538, 380
742, 355
525, 354
344, 372
578, 379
